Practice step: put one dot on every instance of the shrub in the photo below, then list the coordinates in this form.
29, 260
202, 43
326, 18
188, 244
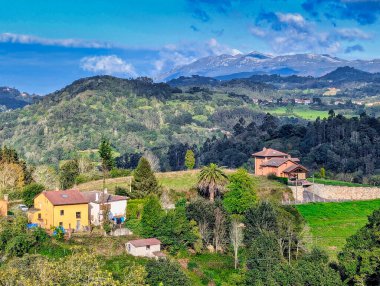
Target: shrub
116, 173
120, 191
281, 180
30, 191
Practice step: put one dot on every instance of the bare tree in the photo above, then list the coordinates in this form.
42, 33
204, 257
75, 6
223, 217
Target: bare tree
46, 176
236, 237
219, 229
153, 160
205, 231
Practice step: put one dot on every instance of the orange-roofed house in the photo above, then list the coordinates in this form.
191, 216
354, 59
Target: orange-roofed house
270, 161
68, 209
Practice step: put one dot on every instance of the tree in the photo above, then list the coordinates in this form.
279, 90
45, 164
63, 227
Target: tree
67, 174
189, 159
144, 181
30, 192
236, 238
11, 176
165, 272
322, 173
46, 176
152, 216
220, 228
211, 181
359, 259
107, 160
241, 194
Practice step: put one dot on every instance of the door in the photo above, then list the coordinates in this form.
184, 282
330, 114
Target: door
78, 225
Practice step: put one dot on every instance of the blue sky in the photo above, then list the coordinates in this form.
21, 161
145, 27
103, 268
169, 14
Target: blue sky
45, 45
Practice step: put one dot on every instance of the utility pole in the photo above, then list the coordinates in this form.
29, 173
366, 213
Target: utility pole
295, 201
313, 190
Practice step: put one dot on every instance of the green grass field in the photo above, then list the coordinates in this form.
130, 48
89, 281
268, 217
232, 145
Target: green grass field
331, 223
336, 183
301, 111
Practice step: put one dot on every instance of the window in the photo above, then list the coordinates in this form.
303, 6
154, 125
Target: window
61, 224
148, 247
77, 214
39, 216
62, 212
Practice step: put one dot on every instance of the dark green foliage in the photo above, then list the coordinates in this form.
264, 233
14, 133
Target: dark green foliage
116, 173
144, 181
16, 239
105, 153
360, 257
68, 173
260, 219
278, 179
30, 191
176, 231
166, 272
152, 217
241, 194
120, 191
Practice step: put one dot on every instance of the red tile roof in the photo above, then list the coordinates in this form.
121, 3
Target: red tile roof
268, 152
294, 167
275, 162
66, 197
144, 242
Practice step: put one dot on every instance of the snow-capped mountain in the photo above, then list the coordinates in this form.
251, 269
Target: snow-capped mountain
244, 65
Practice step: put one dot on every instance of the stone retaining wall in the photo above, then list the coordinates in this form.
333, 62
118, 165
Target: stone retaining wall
344, 193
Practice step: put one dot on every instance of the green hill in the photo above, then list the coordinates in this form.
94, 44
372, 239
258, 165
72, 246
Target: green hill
136, 115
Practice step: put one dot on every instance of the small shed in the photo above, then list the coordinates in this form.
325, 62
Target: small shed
149, 247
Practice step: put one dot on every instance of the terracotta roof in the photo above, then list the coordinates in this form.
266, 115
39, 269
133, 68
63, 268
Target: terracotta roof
144, 242
294, 167
275, 162
67, 197
295, 159
268, 152
91, 197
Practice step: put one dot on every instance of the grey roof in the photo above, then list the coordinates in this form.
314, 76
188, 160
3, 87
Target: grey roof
91, 197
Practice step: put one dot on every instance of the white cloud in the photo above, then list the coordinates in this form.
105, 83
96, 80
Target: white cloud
108, 65
69, 43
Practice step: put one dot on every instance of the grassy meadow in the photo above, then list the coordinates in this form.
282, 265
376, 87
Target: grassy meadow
303, 112
331, 223
336, 183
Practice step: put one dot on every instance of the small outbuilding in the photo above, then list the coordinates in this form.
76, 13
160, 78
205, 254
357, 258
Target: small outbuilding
149, 247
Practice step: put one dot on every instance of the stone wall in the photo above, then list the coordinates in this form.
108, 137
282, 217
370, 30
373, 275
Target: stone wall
344, 193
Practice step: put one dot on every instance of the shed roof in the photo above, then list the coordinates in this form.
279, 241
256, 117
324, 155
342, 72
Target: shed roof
269, 152
144, 242
65, 197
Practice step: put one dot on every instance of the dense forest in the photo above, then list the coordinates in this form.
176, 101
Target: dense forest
348, 148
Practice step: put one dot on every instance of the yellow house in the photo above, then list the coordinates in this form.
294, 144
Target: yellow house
68, 209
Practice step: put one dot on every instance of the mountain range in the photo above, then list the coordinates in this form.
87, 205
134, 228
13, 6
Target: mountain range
226, 67
11, 98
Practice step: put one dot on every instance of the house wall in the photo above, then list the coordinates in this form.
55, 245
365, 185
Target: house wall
142, 251
3, 207
116, 208
69, 219
51, 217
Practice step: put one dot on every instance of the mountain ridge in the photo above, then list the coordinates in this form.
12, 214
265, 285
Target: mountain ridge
301, 64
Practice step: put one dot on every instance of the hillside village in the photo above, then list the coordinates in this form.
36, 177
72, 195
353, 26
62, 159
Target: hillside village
213, 212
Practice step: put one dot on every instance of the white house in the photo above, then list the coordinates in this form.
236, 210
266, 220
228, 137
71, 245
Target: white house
97, 199
150, 247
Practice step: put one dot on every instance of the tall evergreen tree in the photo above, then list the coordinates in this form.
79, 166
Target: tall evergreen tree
144, 181
189, 159
107, 160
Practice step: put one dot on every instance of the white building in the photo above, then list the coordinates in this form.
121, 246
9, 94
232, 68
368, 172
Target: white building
150, 247
117, 206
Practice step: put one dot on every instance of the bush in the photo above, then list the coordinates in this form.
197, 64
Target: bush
281, 180
120, 191
116, 173
30, 191
165, 272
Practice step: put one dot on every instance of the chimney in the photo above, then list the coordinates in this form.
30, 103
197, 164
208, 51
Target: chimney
6, 197
96, 197
264, 148
106, 191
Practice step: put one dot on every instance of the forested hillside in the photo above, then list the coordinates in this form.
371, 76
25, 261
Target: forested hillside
136, 115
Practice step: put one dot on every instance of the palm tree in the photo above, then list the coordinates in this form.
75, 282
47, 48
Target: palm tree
212, 180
